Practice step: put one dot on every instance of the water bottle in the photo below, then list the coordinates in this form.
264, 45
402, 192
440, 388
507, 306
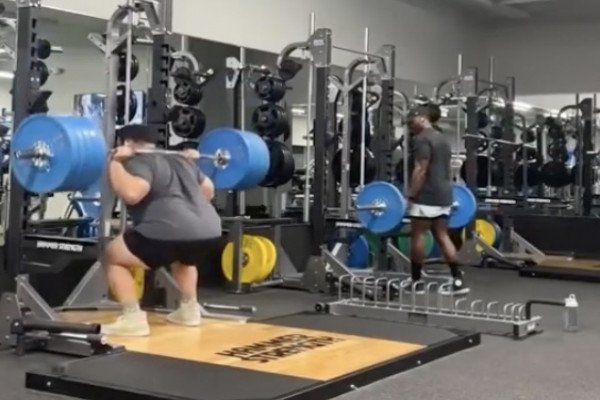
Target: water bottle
570, 314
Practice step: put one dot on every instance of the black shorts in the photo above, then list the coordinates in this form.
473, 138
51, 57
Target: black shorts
156, 253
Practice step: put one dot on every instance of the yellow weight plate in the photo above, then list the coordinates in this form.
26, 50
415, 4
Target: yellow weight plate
486, 231
254, 257
139, 277
271, 257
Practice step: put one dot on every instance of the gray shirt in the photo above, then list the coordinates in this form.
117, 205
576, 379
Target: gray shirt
174, 209
437, 190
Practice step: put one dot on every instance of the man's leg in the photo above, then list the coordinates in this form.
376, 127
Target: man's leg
418, 228
189, 312
119, 262
439, 228
186, 277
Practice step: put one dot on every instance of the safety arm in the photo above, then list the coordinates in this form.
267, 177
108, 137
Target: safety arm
130, 188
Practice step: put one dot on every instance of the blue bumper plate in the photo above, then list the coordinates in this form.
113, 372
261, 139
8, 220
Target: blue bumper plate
358, 253
248, 155
74, 153
385, 220
464, 209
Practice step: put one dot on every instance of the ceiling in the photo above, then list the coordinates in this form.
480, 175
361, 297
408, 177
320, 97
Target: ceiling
534, 10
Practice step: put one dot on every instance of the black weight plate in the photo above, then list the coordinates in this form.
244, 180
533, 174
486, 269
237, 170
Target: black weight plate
289, 69
555, 131
270, 88
287, 131
288, 168
355, 161
281, 167
187, 122
135, 67
187, 93
528, 136
121, 105
557, 150
482, 120
482, 172
43, 49
496, 132
269, 120
531, 154
182, 73
555, 174
42, 69
533, 175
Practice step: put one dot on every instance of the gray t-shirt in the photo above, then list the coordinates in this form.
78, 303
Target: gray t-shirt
174, 209
437, 190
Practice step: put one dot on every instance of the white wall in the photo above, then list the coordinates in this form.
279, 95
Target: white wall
549, 59
428, 34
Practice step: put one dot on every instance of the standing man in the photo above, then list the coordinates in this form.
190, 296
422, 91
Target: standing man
430, 196
173, 224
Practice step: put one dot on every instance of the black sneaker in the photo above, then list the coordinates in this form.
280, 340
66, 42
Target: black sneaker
457, 288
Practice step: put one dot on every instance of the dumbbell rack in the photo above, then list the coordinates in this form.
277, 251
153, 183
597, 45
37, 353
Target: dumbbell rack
384, 298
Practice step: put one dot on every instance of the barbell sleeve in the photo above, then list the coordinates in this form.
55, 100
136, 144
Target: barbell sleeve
29, 154
372, 207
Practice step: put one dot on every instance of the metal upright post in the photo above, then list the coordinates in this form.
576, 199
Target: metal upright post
321, 48
309, 127
25, 91
459, 112
508, 134
587, 107
384, 138
470, 83
364, 110
508, 168
243, 78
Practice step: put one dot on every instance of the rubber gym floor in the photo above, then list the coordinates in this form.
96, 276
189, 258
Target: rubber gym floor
553, 365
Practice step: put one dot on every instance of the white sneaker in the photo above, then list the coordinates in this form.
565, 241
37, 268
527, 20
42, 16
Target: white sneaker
129, 324
188, 314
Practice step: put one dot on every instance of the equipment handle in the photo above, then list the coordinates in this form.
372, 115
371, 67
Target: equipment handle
530, 303
55, 326
224, 307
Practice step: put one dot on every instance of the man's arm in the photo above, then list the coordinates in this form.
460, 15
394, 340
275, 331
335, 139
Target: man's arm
422, 156
130, 188
207, 187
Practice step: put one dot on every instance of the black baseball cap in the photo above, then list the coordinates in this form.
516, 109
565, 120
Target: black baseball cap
139, 133
430, 111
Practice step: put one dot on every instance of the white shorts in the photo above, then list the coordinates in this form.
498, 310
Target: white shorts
431, 212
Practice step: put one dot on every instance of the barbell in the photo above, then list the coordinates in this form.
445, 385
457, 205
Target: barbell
381, 208
67, 153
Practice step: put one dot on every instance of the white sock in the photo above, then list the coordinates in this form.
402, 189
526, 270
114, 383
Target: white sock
131, 308
187, 301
